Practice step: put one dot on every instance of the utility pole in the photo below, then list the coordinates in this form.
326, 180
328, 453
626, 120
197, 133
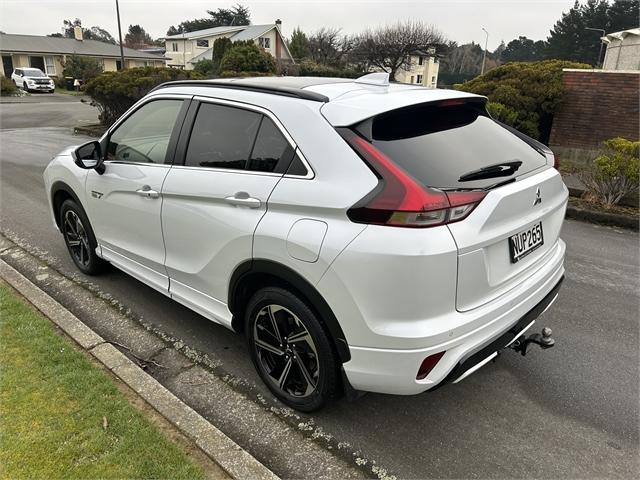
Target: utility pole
484, 56
603, 32
120, 36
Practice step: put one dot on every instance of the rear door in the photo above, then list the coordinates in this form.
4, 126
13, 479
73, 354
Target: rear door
124, 202
455, 145
232, 157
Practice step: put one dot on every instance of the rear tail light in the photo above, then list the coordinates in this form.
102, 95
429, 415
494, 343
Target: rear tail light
400, 200
428, 364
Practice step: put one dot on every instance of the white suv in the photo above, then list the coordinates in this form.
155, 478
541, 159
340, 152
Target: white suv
32, 80
363, 236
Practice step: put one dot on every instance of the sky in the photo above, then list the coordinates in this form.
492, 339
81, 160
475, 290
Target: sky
459, 20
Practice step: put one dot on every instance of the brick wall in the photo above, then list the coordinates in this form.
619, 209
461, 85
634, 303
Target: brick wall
598, 105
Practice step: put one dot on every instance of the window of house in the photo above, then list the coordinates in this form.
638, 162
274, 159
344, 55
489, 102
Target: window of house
174, 46
49, 65
264, 42
202, 43
419, 79
222, 137
420, 60
270, 148
433, 79
412, 77
144, 136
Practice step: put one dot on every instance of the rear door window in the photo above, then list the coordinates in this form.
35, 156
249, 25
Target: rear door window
271, 152
439, 143
222, 137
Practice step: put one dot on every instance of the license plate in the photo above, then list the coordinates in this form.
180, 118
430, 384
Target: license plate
523, 243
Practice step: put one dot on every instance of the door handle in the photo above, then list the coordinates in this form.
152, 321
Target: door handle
242, 199
146, 191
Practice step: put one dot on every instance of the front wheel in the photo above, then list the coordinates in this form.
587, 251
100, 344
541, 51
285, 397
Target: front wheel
79, 238
290, 349
24, 87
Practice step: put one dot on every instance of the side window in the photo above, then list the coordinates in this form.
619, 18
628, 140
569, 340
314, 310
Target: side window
297, 167
270, 148
144, 136
222, 137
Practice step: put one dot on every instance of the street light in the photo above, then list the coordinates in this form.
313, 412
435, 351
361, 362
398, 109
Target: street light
603, 32
484, 56
120, 36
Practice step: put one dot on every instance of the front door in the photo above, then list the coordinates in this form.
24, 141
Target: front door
7, 65
124, 202
214, 201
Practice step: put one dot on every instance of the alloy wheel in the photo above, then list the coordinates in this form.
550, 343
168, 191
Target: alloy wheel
76, 237
285, 350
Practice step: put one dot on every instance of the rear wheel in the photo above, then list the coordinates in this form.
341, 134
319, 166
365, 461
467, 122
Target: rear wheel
290, 349
79, 238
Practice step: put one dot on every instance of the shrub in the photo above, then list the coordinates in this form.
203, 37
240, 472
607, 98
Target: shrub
247, 57
502, 113
220, 47
115, 92
614, 173
205, 68
309, 68
82, 68
231, 74
7, 87
532, 90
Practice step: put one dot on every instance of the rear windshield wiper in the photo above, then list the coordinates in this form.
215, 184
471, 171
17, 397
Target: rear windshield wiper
504, 169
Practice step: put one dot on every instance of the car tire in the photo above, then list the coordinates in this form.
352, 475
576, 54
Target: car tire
79, 238
302, 371
24, 87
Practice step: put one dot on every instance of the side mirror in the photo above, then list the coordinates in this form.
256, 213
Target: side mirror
89, 156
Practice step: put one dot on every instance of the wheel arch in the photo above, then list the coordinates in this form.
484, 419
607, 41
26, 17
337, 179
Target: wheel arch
251, 275
60, 192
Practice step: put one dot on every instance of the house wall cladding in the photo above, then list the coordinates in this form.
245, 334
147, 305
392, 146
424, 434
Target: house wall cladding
598, 105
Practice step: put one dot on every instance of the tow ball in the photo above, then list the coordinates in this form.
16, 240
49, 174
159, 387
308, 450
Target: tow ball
543, 340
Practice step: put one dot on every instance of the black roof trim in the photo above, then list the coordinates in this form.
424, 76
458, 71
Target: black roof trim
261, 88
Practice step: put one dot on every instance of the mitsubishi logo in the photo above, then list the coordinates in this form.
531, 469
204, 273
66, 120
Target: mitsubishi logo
538, 197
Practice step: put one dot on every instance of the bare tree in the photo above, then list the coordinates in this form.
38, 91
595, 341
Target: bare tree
389, 47
328, 46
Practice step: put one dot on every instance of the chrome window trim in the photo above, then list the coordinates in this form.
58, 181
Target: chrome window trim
268, 113
140, 164
228, 170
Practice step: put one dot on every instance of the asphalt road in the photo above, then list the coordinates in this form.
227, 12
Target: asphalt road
571, 411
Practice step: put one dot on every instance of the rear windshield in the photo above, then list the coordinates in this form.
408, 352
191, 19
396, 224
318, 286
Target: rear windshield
439, 143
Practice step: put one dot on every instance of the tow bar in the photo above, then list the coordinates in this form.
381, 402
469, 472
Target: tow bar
543, 340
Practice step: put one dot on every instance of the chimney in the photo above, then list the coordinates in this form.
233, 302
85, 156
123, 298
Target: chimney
279, 24
77, 33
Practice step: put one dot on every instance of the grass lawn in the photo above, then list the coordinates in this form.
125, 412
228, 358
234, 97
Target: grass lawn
52, 404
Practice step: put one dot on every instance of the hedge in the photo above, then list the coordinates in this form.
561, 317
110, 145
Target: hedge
115, 92
525, 94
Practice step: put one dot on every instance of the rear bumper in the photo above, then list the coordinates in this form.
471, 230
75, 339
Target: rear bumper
473, 360
490, 328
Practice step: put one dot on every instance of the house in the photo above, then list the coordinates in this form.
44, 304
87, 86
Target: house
49, 53
186, 49
623, 50
422, 70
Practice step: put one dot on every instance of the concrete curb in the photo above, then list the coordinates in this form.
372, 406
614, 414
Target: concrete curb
234, 460
602, 218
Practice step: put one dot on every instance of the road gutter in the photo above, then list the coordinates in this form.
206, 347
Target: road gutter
232, 458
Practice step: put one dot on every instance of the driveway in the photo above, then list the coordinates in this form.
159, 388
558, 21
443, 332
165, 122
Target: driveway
571, 411
46, 110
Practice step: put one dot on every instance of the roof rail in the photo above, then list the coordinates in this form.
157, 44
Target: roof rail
261, 88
